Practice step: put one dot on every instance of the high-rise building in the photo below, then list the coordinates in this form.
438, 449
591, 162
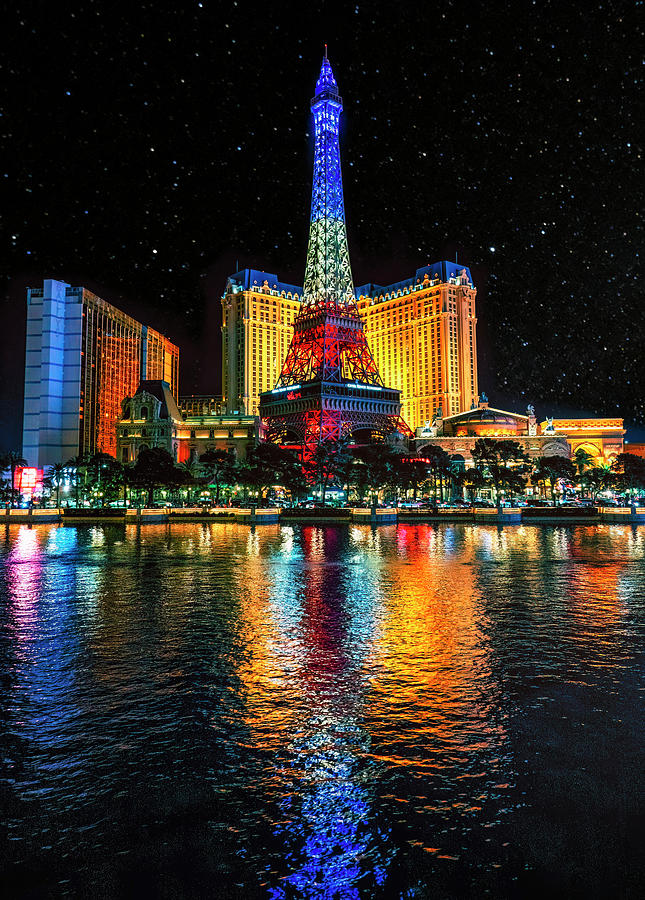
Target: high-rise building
83, 357
422, 332
257, 318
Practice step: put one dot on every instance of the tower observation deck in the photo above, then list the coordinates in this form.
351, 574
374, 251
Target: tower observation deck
329, 388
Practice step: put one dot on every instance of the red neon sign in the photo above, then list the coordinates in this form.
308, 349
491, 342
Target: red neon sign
27, 479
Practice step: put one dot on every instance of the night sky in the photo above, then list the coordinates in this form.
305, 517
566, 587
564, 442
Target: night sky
146, 148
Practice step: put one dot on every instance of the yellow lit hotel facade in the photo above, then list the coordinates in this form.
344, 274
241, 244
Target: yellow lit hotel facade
422, 332
257, 327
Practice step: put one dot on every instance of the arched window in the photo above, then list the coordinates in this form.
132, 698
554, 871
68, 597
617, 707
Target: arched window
144, 412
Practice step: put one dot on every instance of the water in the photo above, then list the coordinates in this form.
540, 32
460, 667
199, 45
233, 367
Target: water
416, 711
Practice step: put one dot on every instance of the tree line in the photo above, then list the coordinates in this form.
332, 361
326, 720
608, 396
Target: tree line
370, 474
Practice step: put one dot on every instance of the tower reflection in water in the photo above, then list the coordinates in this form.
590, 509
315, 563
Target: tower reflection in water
368, 681
324, 625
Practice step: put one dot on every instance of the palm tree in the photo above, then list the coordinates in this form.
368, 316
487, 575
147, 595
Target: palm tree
597, 479
79, 464
485, 451
553, 469
439, 463
5, 490
512, 481
373, 467
486, 457
512, 452
473, 480
582, 460
219, 466
412, 473
629, 471
12, 460
155, 468
495, 456
120, 476
327, 464
56, 473
112, 476
275, 465
188, 474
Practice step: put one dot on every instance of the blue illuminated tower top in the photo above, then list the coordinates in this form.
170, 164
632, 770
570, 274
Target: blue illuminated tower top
328, 274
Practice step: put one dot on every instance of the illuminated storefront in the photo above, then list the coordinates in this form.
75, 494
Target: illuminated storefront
28, 481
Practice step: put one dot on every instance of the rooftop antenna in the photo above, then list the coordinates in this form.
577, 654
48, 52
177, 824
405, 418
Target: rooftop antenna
325, 51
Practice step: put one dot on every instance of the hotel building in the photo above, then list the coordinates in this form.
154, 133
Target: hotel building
421, 331
83, 356
257, 326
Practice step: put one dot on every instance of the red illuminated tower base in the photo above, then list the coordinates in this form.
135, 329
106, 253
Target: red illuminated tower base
304, 416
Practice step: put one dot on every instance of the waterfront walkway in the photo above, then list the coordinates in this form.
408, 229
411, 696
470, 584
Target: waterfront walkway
375, 516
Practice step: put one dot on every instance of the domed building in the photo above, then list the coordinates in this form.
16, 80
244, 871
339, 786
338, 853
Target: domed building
602, 438
458, 434
485, 422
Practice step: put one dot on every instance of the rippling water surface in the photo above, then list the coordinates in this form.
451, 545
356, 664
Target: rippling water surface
321, 712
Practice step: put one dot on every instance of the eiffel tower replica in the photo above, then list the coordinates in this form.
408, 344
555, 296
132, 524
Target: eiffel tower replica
329, 389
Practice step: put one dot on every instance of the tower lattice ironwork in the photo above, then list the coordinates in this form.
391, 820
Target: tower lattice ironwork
329, 386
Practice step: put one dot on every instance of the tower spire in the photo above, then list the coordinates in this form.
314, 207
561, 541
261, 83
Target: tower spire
328, 274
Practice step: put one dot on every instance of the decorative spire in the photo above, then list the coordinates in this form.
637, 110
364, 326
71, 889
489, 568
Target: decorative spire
326, 81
